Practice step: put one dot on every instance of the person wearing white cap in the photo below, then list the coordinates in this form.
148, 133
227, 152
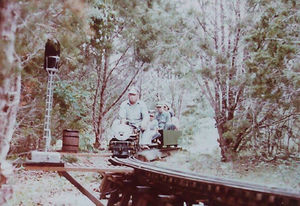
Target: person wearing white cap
134, 111
162, 116
167, 108
174, 122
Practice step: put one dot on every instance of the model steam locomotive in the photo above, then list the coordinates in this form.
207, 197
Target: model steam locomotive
126, 141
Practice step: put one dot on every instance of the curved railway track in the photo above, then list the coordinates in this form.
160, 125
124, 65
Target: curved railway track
153, 185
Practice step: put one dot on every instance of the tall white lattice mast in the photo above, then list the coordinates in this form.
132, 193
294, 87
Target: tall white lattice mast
52, 53
49, 100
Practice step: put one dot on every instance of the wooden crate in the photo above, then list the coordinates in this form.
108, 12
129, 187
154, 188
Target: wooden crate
170, 137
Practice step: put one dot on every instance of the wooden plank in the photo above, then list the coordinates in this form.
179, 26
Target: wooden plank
81, 188
103, 169
84, 154
44, 164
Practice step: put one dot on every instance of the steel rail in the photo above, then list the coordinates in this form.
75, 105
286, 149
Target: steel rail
193, 179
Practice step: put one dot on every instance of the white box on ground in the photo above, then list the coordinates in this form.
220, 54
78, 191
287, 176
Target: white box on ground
39, 156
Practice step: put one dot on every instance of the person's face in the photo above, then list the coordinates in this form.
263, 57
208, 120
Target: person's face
132, 98
159, 109
151, 117
165, 108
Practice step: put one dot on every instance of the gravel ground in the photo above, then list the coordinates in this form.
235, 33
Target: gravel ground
48, 188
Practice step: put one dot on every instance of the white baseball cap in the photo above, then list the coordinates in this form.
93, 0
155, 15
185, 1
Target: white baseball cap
133, 90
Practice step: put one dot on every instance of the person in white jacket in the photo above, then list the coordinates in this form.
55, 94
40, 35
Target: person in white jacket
152, 129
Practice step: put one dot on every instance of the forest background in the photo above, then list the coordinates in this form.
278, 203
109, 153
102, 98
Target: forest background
234, 61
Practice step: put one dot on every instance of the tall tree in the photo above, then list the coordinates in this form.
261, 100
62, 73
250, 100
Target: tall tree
10, 83
18, 50
273, 78
112, 63
217, 63
155, 29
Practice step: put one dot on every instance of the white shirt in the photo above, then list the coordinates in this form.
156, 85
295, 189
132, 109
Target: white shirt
134, 113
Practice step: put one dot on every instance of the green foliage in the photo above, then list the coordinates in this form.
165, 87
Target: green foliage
71, 97
207, 72
71, 109
70, 159
86, 141
255, 86
272, 81
273, 46
49, 18
103, 22
237, 129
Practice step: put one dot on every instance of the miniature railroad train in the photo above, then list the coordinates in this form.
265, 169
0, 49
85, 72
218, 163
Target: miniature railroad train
126, 142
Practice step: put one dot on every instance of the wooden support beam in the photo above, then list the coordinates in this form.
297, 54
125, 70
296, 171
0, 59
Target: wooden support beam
81, 188
83, 154
79, 168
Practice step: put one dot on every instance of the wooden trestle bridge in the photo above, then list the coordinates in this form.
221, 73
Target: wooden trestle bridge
134, 182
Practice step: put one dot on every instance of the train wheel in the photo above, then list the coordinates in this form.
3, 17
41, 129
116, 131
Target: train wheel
169, 200
144, 200
125, 198
113, 199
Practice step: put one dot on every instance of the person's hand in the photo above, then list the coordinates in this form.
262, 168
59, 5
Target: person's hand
143, 126
143, 129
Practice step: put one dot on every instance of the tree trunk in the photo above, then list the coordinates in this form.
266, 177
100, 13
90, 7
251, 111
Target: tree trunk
226, 155
99, 134
10, 84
